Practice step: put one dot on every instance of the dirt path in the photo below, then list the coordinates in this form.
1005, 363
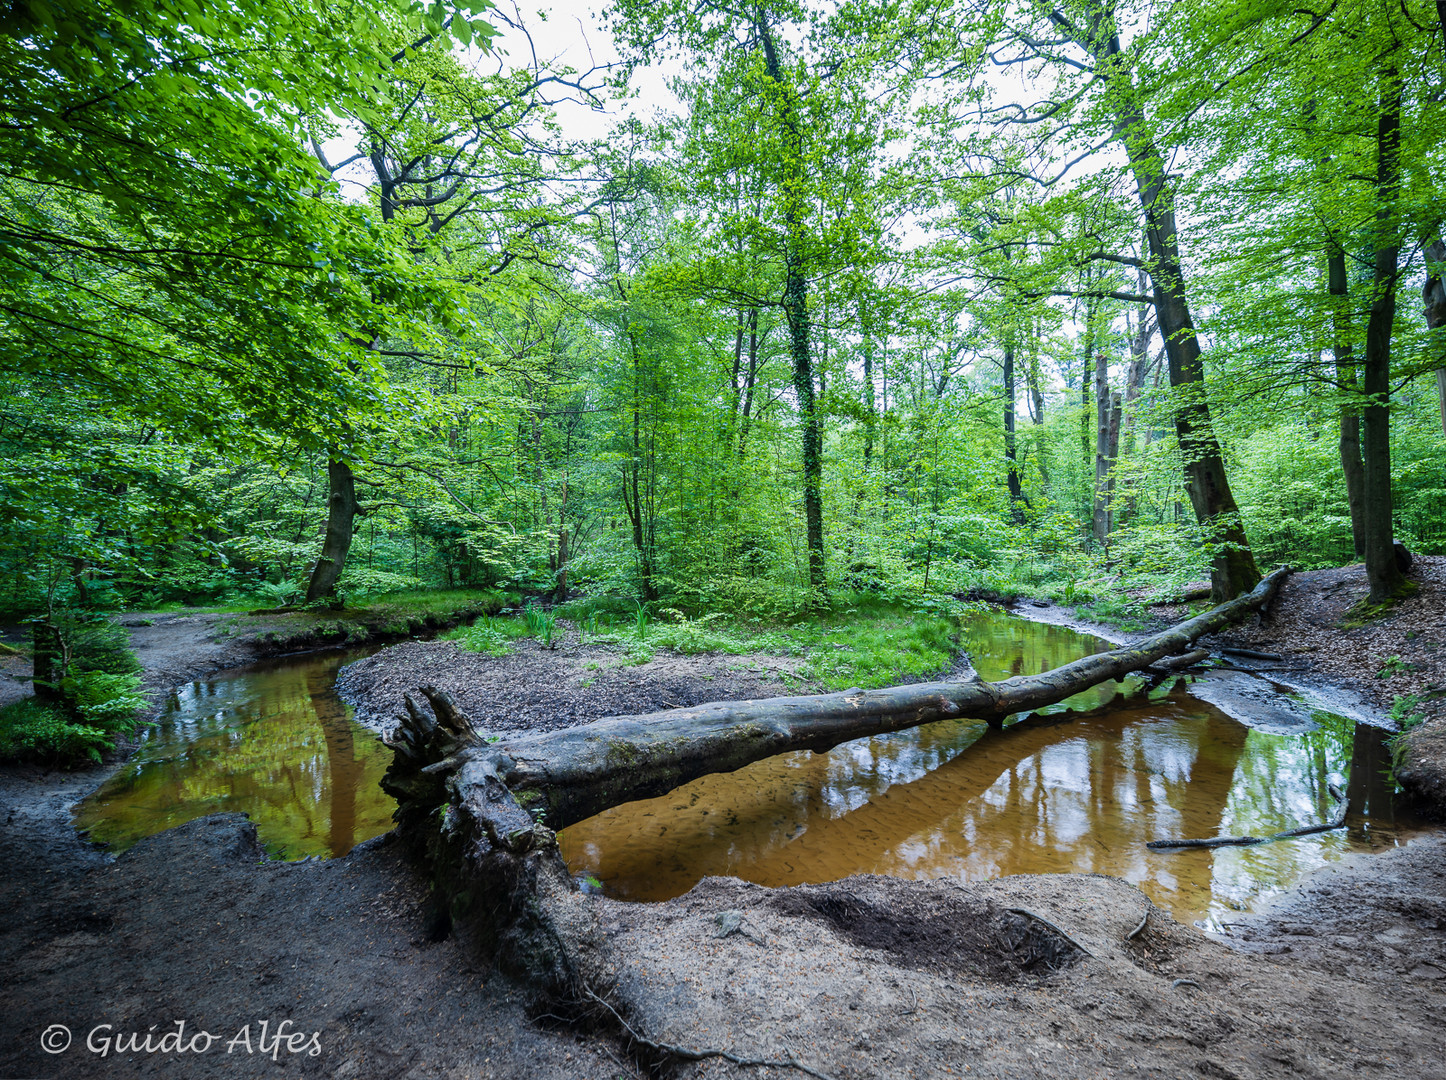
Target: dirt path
868, 977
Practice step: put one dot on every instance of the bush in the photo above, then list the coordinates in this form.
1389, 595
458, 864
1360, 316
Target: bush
99, 698
109, 702
35, 732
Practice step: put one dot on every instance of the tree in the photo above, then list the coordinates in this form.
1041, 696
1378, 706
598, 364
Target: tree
172, 256
1083, 40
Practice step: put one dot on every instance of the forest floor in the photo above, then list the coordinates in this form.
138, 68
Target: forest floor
868, 977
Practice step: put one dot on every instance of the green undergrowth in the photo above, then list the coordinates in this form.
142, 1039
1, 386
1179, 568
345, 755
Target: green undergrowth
860, 641
97, 699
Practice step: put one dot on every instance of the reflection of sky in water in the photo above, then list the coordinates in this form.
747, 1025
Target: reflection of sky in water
275, 742
955, 800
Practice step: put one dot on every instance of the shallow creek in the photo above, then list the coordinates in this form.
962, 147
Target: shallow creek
1055, 794
272, 739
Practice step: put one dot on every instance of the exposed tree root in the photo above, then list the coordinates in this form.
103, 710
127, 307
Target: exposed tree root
1045, 922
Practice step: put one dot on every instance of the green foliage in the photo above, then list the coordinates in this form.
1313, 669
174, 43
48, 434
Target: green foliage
1405, 711
30, 731
1392, 666
103, 701
490, 636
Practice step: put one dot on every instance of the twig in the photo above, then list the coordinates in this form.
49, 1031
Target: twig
1219, 841
1251, 654
691, 1054
1136, 931
1041, 919
1336, 822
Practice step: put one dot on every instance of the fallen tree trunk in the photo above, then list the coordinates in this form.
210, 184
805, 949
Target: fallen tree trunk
563, 777
483, 814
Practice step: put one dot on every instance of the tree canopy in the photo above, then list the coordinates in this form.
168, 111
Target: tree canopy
914, 298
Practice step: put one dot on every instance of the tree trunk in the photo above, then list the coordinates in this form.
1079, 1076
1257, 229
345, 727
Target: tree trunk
1234, 568
1107, 441
499, 804
1134, 380
1085, 387
1350, 418
341, 513
1011, 448
1434, 298
48, 662
1381, 569
795, 309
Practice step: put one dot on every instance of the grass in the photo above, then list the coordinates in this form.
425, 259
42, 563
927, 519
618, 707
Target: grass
862, 641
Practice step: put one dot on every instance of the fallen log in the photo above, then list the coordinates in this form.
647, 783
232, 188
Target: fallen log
483, 813
559, 778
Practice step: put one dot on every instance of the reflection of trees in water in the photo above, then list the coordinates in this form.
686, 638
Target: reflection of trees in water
276, 744
1081, 795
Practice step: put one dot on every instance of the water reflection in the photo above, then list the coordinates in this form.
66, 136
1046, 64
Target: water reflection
955, 799
274, 741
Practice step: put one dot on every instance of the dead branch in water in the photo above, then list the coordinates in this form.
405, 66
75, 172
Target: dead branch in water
1336, 822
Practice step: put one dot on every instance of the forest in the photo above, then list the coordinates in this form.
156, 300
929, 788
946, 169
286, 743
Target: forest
308, 302
697, 538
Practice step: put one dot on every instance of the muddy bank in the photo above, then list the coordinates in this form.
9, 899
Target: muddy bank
195, 925
178, 647
874, 977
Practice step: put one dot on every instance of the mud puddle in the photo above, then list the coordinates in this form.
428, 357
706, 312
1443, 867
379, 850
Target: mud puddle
1057, 794
273, 740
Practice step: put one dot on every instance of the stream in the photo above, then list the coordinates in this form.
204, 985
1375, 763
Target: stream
1056, 794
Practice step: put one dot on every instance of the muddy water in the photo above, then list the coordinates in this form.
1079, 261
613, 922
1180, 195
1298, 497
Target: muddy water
273, 740
1052, 795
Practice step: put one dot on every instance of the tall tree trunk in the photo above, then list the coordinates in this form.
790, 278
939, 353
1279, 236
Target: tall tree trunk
1350, 418
1381, 569
1434, 296
871, 406
1107, 441
1086, 388
1011, 449
795, 306
1233, 570
341, 514
1134, 381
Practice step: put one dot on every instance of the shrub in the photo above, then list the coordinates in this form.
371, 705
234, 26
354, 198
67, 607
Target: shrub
36, 732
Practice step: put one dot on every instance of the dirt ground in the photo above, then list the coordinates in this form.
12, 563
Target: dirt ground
868, 977
538, 689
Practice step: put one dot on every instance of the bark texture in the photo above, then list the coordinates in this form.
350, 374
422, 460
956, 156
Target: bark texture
341, 513
1350, 418
795, 305
1234, 568
1433, 296
1385, 576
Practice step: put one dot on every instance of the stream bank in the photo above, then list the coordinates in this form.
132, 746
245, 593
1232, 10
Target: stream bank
861, 978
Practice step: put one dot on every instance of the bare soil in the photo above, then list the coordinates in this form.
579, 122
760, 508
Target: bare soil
537, 689
867, 977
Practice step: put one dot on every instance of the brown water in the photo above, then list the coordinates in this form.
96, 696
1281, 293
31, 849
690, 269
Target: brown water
273, 740
954, 799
